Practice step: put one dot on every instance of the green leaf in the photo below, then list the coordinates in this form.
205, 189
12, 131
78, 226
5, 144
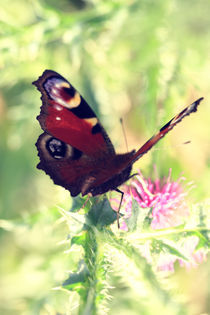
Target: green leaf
77, 203
102, 214
169, 248
139, 218
79, 239
77, 278
132, 221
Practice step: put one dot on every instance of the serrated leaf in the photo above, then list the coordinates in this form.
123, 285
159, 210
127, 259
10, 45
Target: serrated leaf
77, 278
77, 203
102, 214
171, 249
203, 240
71, 215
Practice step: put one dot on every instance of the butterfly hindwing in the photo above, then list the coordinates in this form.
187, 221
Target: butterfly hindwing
78, 172
66, 165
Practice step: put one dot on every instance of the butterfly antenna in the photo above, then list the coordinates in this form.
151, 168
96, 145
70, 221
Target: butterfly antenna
124, 134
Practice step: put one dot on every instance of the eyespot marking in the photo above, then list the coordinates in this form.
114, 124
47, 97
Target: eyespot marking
69, 91
65, 95
56, 148
52, 85
53, 148
62, 92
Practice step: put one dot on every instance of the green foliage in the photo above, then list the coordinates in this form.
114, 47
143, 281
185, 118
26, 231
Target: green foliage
143, 61
110, 252
101, 214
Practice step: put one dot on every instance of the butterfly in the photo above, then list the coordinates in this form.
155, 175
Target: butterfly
75, 150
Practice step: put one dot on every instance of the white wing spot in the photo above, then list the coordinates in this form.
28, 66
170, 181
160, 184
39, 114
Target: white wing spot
58, 107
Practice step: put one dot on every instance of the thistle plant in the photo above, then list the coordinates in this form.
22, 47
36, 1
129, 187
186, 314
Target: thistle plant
164, 197
159, 232
135, 59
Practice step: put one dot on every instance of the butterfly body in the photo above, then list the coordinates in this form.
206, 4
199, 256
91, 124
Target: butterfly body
74, 149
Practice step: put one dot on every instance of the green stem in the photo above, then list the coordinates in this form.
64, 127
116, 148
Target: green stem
88, 307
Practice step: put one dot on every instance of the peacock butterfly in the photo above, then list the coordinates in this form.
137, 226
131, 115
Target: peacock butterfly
74, 149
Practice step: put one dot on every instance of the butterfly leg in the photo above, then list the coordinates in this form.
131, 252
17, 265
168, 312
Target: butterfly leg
89, 195
118, 210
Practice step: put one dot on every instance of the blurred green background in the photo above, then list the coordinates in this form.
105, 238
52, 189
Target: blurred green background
140, 60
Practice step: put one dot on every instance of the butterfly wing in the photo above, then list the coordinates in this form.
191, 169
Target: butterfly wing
66, 116
165, 129
74, 149
66, 165
74, 145
122, 162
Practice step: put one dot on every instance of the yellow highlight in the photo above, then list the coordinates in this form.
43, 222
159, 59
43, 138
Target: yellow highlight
75, 101
63, 84
92, 121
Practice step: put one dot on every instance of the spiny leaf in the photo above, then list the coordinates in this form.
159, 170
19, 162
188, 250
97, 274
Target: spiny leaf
77, 278
170, 249
102, 214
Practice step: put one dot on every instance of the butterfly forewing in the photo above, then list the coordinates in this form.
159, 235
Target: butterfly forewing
165, 129
66, 116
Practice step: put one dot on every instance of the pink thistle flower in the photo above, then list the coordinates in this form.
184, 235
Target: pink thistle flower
165, 197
